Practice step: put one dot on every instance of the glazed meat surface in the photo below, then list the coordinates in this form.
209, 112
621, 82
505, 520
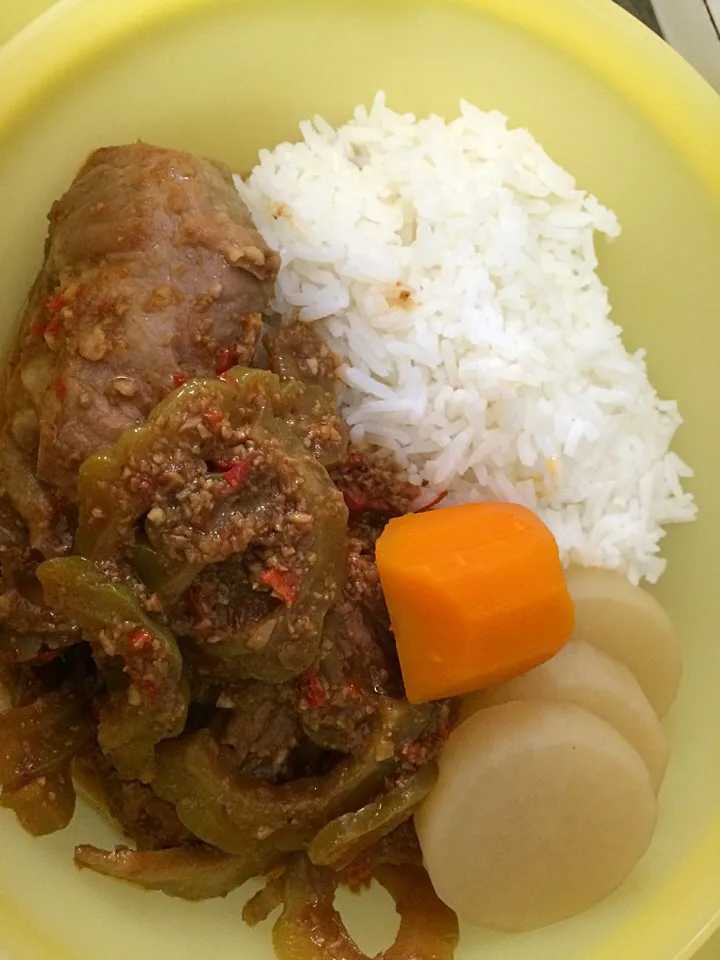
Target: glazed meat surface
153, 272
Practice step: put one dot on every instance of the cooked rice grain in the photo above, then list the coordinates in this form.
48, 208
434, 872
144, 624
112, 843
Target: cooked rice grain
452, 268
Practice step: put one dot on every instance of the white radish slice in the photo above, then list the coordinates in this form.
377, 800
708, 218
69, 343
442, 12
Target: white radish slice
629, 624
584, 675
540, 811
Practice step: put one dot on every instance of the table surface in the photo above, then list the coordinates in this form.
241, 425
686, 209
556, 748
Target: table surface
14, 14
642, 9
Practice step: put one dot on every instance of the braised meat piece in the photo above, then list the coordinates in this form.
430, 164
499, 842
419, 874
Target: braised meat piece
358, 666
374, 486
142, 816
153, 272
29, 630
262, 731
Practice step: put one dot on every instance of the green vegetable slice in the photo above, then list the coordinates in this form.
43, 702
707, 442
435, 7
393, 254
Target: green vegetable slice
148, 702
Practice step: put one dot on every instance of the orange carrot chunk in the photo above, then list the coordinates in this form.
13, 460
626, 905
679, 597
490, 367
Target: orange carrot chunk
476, 596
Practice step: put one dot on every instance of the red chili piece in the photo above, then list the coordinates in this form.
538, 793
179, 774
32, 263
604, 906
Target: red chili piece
237, 471
433, 503
213, 415
53, 327
226, 358
179, 379
55, 303
355, 502
313, 690
282, 583
354, 459
140, 639
46, 656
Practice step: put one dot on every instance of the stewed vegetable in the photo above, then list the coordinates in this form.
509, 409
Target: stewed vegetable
476, 594
192, 627
245, 637
541, 809
584, 675
628, 623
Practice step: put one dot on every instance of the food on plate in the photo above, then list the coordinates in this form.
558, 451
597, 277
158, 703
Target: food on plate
476, 595
153, 273
192, 871
192, 620
339, 843
233, 422
541, 809
43, 805
452, 268
630, 625
584, 675
153, 705
311, 929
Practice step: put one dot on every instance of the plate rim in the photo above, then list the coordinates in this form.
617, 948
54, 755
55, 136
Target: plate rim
603, 37
610, 44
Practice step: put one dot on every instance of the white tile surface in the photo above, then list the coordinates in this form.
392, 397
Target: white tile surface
692, 27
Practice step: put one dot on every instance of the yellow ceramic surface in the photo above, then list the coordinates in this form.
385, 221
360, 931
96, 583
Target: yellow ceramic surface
611, 103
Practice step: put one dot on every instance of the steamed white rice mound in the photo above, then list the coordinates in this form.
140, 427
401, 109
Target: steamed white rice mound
452, 268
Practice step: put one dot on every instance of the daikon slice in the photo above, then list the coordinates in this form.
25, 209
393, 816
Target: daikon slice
541, 810
584, 675
628, 623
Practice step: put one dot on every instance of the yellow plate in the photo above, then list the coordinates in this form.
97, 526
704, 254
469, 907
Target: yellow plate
612, 104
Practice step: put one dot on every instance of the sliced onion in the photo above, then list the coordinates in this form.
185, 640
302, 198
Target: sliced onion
310, 928
43, 736
45, 804
346, 837
428, 929
191, 873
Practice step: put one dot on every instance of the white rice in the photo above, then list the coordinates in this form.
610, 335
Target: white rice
501, 375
